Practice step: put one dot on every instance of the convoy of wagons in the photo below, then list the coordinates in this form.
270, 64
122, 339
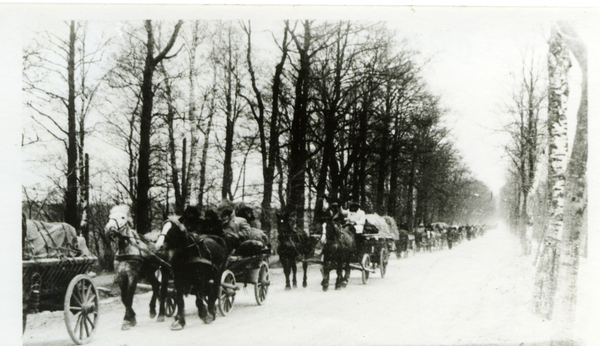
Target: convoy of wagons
56, 260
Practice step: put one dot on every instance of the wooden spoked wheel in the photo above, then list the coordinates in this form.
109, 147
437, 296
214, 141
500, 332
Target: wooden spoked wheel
226, 294
261, 287
366, 267
383, 260
81, 309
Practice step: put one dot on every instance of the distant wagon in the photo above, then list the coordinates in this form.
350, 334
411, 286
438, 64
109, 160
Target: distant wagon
55, 263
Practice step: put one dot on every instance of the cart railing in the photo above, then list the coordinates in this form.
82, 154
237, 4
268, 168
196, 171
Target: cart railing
52, 277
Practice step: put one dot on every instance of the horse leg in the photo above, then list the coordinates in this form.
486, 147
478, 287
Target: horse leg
179, 322
164, 290
151, 277
128, 285
325, 270
340, 277
211, 301
294, 270
305, 269
202, 309
347, 272
286, 271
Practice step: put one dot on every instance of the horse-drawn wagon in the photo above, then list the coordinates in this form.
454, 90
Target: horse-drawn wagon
380, 234
249, 266
55, 263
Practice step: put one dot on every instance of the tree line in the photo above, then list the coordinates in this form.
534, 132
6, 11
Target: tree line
190, 113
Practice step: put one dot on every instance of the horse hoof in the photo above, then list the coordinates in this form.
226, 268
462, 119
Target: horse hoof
325, 289
208, 319
126, 325
161, 318
295, 285
152, 314
304, 284
176, 326
288, 288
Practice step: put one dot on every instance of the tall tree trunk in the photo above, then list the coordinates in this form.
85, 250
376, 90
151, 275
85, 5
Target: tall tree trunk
203, 161
411, 187
143, 200
173, 156
71, 193
575, 222
298, 156
192, 116
558, 91
230, 123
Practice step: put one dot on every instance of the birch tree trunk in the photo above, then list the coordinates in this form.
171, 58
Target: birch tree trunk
192, 115
575, 222
558, 91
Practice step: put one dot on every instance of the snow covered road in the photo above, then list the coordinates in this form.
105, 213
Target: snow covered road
476, 293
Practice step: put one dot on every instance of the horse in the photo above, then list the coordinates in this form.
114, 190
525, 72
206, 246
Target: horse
293, 245
198, 261
338, 251
135, 259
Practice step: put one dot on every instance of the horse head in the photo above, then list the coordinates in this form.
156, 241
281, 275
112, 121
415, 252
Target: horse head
119, 222
286, 224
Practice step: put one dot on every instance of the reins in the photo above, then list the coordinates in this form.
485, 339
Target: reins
130, 257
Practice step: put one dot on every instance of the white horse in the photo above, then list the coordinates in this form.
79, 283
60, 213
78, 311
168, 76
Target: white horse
135, 259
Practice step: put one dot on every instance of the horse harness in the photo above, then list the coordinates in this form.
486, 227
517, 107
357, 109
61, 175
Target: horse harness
136, 244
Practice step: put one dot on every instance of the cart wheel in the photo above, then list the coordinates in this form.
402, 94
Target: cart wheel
170, 306
366, 266
383, 260
81, 309
226, 295
261, 287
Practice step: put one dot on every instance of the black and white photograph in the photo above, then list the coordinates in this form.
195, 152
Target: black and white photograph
299, 175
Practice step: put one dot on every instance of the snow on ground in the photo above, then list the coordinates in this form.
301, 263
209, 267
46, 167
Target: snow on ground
478, 293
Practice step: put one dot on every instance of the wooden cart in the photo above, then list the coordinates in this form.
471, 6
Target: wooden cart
55, 284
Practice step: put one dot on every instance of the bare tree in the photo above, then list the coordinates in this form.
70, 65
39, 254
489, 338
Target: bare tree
143, 201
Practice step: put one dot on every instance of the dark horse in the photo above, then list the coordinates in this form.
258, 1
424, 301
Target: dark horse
293, 245
198, 261
136, 258
338, 251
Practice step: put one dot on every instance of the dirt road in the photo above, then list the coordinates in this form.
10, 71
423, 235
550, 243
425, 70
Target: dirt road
476, 293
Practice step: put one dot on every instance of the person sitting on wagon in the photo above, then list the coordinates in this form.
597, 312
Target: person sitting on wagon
357, 218
233, 228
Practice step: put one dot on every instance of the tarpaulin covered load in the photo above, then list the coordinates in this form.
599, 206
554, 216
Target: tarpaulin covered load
52, 239
383, 228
